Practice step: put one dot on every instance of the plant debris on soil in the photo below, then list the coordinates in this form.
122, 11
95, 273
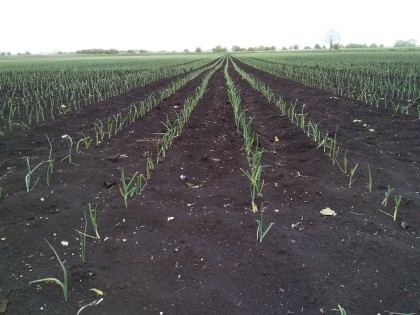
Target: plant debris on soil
188, 243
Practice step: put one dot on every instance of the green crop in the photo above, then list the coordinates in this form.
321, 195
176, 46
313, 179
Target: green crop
133, 186
66, 84
62, 284
378, 79
261, 233
397, 206
28, 176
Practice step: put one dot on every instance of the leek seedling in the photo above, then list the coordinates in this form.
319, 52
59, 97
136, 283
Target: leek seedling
345, 163
397, 205
302, 119
333, 148
127, 189
340, 310
63, 284
395, 107
254, 177
404, 109
140, 183
369, 180
110, 127
95, 302
50, 162
387, 195
352, 171
83, 240
99, 131
28, 176
334, 158
260, 229
92, 216
150, 166
86, 140
69, 146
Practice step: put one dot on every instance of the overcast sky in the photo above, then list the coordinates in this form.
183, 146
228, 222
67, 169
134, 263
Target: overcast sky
69, 25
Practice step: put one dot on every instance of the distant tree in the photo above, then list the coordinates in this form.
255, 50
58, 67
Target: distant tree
323, 47
373, 45
9, 53
198, 50
284, 48
2, 53
236, 48
405, 43
27, 53
252, 49
296, 46
381, 46
131, 51
307, 47
186, 50
332, 37
219, 49
317, 46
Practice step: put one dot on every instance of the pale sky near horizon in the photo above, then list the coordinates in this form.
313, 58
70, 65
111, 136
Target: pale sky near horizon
63, 25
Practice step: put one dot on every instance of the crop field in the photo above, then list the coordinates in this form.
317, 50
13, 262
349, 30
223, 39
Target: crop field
251, 183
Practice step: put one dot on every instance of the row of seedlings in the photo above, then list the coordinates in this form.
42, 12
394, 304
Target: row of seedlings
253, 152
63, 88
390, 85
114, 124
324, 141
128, 189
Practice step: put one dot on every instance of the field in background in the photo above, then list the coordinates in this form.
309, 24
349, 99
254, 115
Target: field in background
206, 183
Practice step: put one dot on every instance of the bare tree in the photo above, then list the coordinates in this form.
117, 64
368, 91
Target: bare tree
332, 37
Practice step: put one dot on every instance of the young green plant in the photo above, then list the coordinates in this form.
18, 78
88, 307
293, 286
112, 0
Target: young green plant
345, 163
254, 177
261, 233
29, 174
352, 171
92, 217
86, 141
134, 186
340, 310
83, 240
69, 146
150, 166
369, 186
387, 195
50, 162
397, 205
127, 189
62, 284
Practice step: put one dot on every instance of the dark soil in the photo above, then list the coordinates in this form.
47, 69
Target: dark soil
188, 246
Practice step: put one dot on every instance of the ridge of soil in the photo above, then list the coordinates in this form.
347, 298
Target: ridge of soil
188, 246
